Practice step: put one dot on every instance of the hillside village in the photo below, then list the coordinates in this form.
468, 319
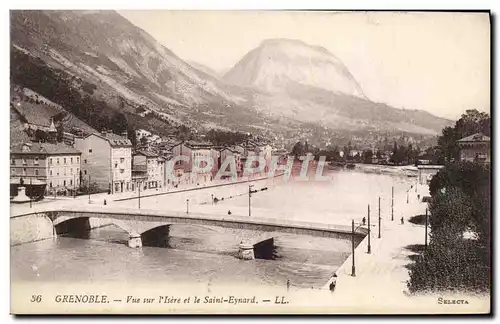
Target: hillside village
86, 159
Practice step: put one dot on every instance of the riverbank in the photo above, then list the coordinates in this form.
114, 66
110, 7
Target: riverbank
403, 170
380, 280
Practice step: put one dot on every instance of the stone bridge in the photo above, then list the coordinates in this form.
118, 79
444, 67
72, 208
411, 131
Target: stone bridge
141, 225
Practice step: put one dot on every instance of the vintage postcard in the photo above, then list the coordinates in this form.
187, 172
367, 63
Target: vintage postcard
250, 162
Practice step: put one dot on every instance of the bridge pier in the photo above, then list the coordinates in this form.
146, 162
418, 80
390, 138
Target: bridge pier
246, 251
135, 241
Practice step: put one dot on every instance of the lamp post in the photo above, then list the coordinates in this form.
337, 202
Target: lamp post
31, 190
392, 204
88, 188
369, 232
74, 186
139, 199
353, 268
249, 200
408, 196
187, 206
426, 222
212, 195
379, 218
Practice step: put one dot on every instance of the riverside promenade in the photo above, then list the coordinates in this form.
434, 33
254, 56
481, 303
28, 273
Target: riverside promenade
381, 276
98, 198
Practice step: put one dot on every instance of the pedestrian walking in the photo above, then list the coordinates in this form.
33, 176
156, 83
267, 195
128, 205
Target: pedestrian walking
333, 283
229, 212
364, 220
105, 202
402, 221
288, 284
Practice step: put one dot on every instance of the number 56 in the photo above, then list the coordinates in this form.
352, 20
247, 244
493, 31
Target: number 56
36, 298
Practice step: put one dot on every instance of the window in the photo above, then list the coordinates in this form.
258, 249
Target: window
24, 171
12, 161
24, 161
50, 172
70, 182
51, 184
77, 170
122, 160
36, 172
122, 170
64, 171
57, 160
13, 170
50, 161
64, 183
85, 161
71, 160
77, 159
116, 165
71, 170
57, 172
36, 161
85, 172
64, 160
90, 151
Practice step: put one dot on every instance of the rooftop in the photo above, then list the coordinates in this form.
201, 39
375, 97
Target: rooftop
478, 137
43, 148
146, 153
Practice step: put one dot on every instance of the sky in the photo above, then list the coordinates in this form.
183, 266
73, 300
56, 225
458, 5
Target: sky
438, 62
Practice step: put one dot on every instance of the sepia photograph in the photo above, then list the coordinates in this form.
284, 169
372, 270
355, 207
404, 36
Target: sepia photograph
250, 162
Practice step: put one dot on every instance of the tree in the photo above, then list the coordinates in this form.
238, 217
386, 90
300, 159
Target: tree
132, 136
367, 156
60, 132
298, 149
460, 203
470, 123
40, 136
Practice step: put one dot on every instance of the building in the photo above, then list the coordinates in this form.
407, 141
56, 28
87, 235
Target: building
55, 164
426, 172
193, 150
153, 165
230, 153
106, 161
475, 148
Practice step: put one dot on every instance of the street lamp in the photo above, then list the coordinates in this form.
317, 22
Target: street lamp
139, 200
187, 206
426, 222
249, 200
392, 204
369, 232
212, 195
353, 269
379, 218
88, 188
31, 191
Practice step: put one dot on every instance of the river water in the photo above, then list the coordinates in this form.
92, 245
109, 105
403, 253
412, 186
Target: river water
202, 254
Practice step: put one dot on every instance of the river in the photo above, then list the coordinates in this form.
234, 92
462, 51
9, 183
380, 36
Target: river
207, 254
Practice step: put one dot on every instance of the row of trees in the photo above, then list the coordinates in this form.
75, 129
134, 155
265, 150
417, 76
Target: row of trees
400, 155
458, 257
